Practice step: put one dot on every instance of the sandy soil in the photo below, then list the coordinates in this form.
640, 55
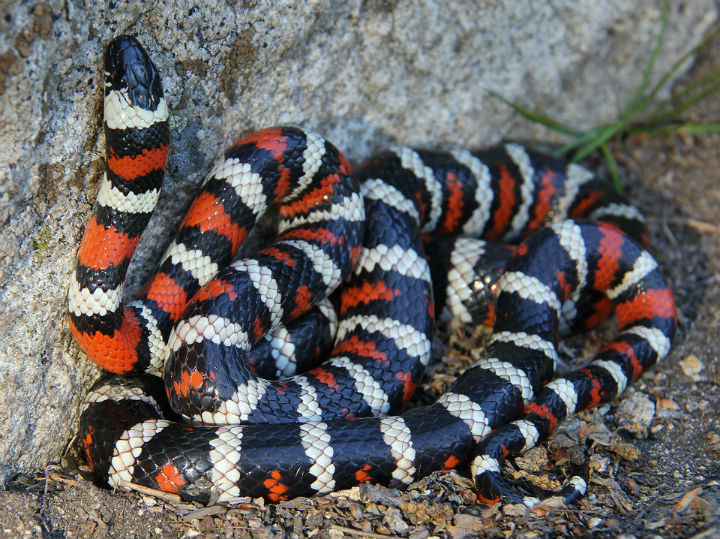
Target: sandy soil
653, 453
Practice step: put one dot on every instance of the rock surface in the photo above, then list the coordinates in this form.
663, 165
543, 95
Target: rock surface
361, 73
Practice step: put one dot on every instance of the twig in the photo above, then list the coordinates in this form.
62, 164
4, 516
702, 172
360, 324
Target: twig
60, 479
360, 533
703, 226
204, 512
167, 496
700, 226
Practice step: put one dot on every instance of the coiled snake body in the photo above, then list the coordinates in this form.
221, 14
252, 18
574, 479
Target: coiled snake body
232, 434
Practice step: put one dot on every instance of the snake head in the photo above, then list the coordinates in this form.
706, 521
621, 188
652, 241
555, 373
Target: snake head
128, 69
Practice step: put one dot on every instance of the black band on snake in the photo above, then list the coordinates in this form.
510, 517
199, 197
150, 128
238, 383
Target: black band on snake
226, 433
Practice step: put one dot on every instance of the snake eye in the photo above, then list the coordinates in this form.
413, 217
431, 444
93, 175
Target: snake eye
140, 72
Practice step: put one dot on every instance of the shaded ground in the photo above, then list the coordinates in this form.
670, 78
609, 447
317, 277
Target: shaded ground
654, 453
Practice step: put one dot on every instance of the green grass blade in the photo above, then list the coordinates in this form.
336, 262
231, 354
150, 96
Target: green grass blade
637, 96
699, 129
675, 67
681, 128
536, 117
577, 142
664, 106
683, 106
656, 121
612, 165
608, 132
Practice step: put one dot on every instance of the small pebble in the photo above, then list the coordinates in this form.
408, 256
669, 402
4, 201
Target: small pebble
691, 366
668, 404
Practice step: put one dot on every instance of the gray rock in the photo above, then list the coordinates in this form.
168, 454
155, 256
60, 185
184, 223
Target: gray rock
635, 413
363, 73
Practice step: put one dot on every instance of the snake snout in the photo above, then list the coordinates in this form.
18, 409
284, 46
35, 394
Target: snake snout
129, 68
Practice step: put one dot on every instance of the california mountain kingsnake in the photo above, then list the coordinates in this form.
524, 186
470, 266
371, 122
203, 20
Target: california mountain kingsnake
196, 320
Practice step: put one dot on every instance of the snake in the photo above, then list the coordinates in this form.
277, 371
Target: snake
395, 244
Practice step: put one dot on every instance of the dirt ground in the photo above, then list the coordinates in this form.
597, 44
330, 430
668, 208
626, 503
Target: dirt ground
653, 453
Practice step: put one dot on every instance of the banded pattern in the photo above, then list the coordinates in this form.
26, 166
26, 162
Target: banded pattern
646, 315
122, 340
199, 317
297, 347
465, 272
